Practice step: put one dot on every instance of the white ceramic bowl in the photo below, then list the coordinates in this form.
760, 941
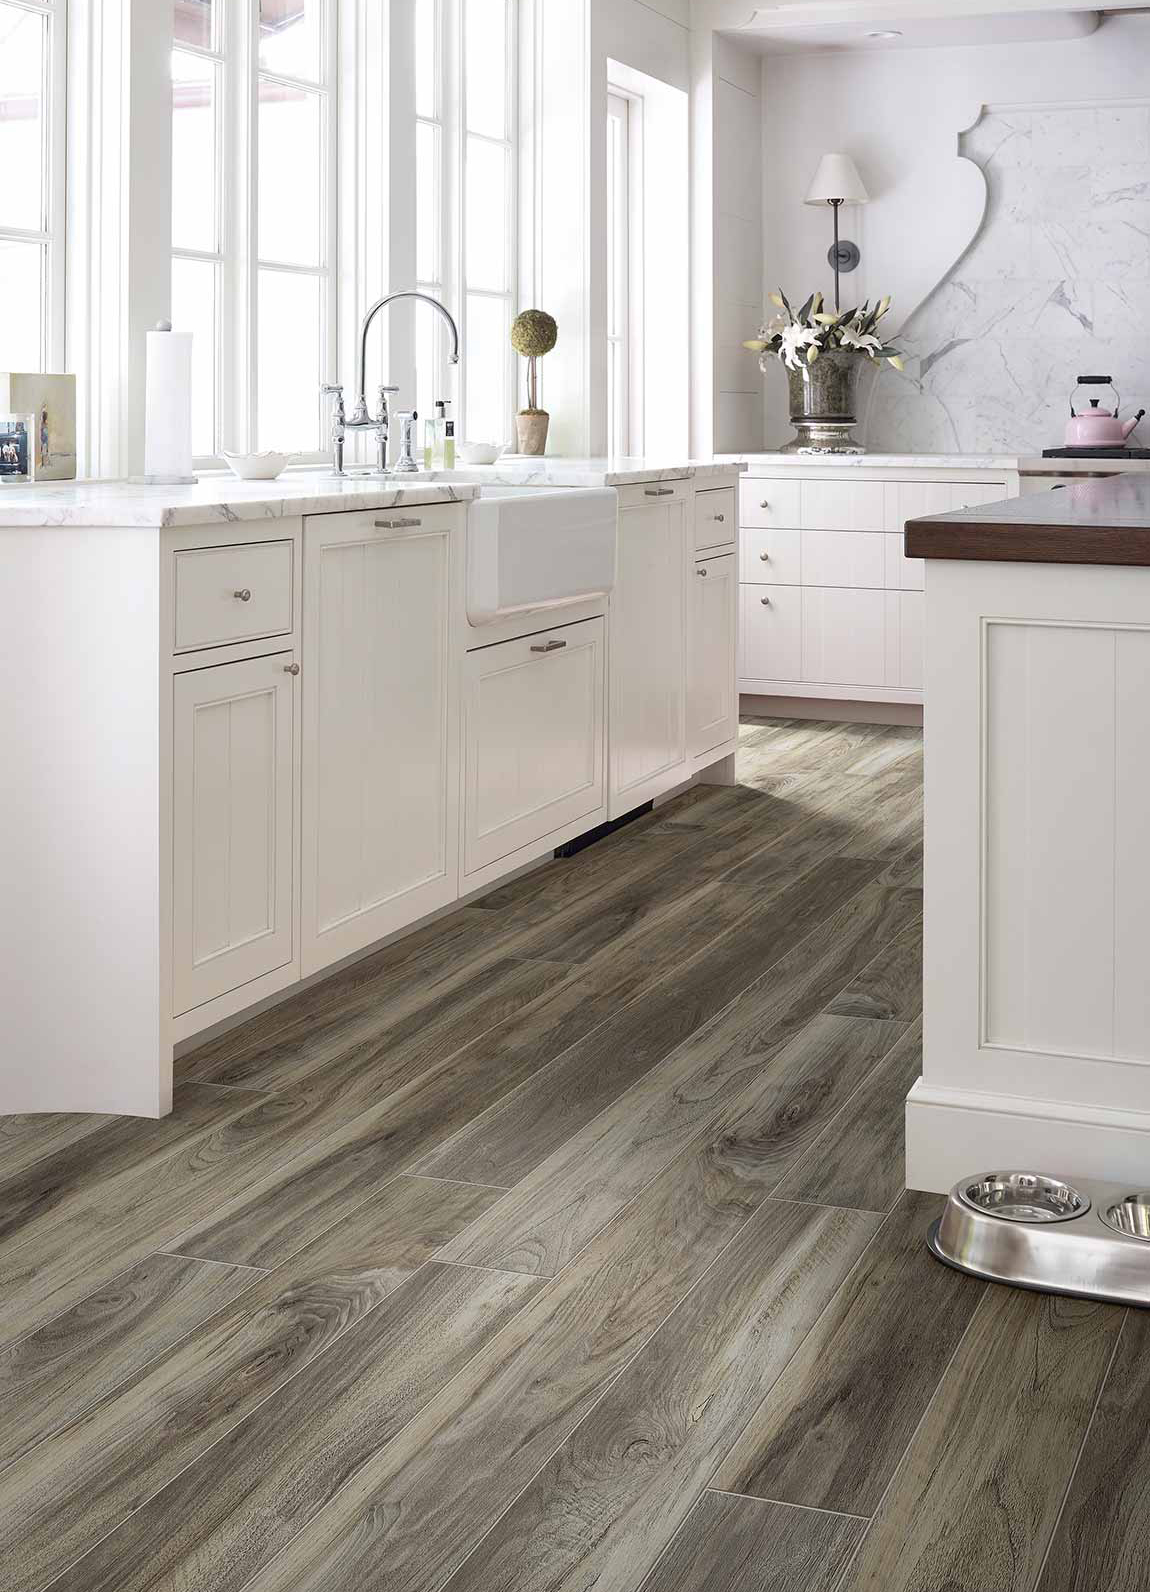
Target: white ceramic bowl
256, 466
480, 452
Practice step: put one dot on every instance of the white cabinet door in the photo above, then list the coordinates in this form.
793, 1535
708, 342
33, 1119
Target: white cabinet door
648, 649
380, 741
233, 830
771, 633
534, 719
771, 557
910, 639
711, 694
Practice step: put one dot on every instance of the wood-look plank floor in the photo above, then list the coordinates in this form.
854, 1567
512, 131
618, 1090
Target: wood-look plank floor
563, 1245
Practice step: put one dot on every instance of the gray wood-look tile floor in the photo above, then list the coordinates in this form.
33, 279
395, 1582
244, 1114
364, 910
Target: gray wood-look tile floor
563, 1245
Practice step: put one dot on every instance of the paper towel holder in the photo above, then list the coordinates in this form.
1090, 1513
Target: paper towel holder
166, 431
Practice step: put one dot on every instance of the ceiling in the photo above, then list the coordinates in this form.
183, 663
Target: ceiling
804, 27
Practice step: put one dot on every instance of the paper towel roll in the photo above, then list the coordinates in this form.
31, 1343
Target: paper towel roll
168, 406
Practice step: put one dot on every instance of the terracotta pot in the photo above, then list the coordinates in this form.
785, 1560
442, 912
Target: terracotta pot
531, 430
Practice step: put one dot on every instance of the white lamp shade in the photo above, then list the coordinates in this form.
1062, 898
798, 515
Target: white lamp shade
837, 178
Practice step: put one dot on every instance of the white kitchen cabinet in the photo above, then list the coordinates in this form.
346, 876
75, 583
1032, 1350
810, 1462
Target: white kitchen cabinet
712, 700
534, 739
831, 607
233, 825
380, 737
649, 644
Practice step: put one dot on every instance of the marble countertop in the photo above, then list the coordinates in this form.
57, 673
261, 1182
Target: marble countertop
212, 499
221, 497
1025, 464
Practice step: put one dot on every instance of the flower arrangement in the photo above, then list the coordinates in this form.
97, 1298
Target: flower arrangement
800, 338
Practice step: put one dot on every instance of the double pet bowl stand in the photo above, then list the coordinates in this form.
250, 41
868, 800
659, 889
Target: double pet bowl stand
1091, 1240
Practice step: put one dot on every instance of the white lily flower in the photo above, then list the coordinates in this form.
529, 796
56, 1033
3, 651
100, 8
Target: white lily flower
793, 340
865, 342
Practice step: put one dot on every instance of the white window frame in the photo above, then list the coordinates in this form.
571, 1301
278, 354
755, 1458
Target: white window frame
625, 267
452, 286
52, 233
236, 256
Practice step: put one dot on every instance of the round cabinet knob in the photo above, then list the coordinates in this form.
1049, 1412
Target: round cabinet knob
700, 570
244, 596
291, 668
766, 601
720, 518
765, 503
764, 558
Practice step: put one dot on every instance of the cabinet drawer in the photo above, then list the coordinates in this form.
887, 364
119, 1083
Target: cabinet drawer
715, 517
769, 502
771, 633
534, 739
772, 558
843, 506
644, 493
227, 594
832, 559
849, 636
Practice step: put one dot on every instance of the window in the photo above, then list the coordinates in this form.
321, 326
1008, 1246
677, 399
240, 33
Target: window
32, 65
466, 206
253, 217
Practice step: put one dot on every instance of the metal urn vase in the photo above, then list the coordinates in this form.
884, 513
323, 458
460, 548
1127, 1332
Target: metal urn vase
824, 405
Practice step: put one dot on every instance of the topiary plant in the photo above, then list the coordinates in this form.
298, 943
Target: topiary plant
533, 334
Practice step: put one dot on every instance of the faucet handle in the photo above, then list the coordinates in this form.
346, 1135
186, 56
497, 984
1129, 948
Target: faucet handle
331, 386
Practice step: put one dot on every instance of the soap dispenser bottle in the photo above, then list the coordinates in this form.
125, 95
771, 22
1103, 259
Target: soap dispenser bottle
434, 438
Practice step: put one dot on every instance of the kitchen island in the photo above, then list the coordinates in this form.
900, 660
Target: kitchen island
1036, 1049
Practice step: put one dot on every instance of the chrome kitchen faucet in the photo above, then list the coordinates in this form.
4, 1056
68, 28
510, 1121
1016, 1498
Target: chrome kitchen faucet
361, 418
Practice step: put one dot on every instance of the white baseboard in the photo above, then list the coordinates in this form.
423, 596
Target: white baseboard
951, 1133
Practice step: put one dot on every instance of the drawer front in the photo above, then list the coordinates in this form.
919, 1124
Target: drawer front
379, 522
771, 558
769, 502
902, 573
771, 633
832, 559
849, 637
716, 517
648, 492
843, 506
228, 594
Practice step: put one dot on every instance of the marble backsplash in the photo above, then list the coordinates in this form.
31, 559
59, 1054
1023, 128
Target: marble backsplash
1056, 284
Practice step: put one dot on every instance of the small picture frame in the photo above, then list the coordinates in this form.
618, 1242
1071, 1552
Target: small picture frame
51, 401
16, 441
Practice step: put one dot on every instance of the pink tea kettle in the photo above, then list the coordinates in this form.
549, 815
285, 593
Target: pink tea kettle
1096, 427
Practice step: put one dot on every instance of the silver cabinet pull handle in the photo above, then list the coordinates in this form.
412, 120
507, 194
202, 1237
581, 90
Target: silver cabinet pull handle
547, 646
291, 668
719, 517
764, 558
243, 596
397, 525
766, 601
700, 570
659, 491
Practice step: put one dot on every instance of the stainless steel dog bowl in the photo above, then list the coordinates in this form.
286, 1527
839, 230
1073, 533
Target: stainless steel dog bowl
1024, 1197
1131, 1215
1091, 1240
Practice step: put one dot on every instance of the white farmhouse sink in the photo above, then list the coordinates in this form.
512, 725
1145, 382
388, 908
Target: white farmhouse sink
531, 547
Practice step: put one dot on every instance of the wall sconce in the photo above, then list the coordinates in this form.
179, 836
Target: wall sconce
836, 183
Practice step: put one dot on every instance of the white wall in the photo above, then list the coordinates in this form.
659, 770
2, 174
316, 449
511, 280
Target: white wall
738, 246
899, 114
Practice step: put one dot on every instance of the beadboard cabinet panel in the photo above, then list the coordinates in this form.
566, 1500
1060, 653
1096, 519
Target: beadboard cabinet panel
772, 557
380, 808
233, 825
